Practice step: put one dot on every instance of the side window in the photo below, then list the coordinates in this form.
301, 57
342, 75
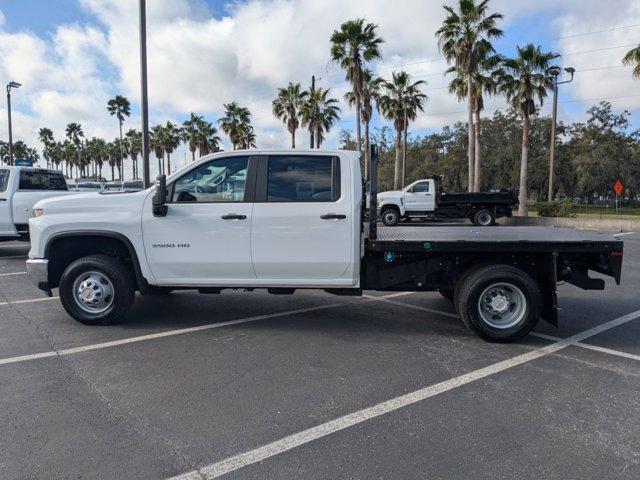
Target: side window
220, 180
4, 179
422, 187
303, 179
34, 180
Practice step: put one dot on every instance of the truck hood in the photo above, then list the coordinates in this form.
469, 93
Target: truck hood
391, 195
98, 203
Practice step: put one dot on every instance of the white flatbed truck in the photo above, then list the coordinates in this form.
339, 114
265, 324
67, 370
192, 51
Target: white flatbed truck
287, 220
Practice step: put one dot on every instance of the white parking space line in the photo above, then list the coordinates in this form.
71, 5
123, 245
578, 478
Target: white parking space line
12, 273
385, 299
31, 300
622, 234
292, 441
588, 346
152, 336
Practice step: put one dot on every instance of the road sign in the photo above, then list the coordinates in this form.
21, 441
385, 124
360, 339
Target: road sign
23, 163
618, 187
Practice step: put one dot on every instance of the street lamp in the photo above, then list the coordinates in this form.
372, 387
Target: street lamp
144, 95
554, 73
10, 85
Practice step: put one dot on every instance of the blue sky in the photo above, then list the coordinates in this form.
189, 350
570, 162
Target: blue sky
72, 55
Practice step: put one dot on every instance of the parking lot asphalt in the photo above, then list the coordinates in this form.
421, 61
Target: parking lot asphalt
251, 385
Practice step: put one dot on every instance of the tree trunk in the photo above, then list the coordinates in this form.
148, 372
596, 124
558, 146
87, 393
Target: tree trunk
367, 150
398, 166
113, 176
160, 165
477, 170
293, 138
168, 163
121, 151
193, 155
358, 131
471, 135
523, 209
119, 171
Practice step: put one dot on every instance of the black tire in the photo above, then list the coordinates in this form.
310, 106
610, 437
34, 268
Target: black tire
504, 283
108, 269
484, 218
447, 293
390, 217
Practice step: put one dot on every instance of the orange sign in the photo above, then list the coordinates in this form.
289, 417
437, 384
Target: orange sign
618, 187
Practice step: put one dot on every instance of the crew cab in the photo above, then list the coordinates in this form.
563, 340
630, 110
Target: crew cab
425, 199
287, 220
20, 189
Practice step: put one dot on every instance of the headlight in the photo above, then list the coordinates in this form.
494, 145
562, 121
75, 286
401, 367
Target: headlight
38, 212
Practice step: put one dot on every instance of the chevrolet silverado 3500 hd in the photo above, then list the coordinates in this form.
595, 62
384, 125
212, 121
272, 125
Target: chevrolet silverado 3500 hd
286, 220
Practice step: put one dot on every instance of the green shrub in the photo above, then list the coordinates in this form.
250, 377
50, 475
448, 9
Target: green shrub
556, 209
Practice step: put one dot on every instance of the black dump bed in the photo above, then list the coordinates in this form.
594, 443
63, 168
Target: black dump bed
507, 240
489, 199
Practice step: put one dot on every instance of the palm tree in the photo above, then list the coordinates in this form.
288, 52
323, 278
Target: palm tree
75, 135
190, 131
234, 123
286, 107
114, 155
70, 155
633, 58
524, 81
171, 137
207, 140
400, 103
484, 82
121, 108
96, 151
45, 135
246, 137
351, 46
370, 92
464, 40
134, 138
156, 142
319, 113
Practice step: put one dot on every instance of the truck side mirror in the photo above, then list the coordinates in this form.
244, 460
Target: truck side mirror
159, 200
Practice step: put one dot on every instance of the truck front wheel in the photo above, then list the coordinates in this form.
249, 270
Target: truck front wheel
97, 290
484, 218
499, 303
390, 217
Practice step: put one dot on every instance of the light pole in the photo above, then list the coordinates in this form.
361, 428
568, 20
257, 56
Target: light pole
144, 95
554, 72
404, 146
10, 85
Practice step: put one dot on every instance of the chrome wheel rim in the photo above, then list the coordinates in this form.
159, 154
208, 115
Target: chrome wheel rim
502, 305
389, 217
484, 219
93, 292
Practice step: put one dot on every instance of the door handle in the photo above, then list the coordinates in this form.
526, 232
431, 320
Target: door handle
333, 216
233, 216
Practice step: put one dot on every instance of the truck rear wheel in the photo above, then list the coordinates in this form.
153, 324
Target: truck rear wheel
484, 218
390, 217
499, 303
97, 290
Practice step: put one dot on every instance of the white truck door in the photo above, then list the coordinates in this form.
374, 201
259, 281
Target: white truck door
6, 217
302, 227
205, 237
420, 197
33, 186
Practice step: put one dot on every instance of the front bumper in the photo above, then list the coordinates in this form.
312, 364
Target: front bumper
38, 273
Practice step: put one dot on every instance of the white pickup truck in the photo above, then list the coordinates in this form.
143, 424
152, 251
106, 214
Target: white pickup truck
425, 199
20, 189
287, 220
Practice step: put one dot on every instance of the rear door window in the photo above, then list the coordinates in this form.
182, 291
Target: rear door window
34, 180
4, 179
303, 178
